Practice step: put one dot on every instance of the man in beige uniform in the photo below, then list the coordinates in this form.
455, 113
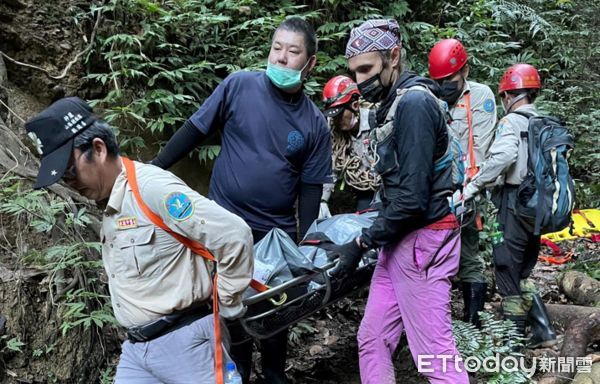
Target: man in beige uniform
506, 165
473, 112
159, 288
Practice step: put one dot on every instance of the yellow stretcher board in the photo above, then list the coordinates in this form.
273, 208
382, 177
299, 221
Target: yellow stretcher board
586, 222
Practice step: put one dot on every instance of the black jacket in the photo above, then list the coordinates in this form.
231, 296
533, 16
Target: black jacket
413, 195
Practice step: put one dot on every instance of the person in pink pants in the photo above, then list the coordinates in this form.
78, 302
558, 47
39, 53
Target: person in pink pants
415, 229
410, 292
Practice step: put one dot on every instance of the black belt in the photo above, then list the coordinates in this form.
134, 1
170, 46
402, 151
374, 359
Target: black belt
166, 324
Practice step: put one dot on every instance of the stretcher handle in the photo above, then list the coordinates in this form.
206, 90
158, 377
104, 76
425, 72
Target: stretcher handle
278, 290
250, 331
246, 322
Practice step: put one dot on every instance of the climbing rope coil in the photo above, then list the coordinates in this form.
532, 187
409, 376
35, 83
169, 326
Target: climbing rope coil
353, 167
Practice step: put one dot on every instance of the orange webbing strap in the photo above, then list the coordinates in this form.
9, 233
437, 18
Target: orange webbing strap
472, 168
260, 287
217, 327
195, 247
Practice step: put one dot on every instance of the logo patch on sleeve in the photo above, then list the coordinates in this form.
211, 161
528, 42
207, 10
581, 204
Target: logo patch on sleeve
127, 223
179, 206
500, 128
489, 105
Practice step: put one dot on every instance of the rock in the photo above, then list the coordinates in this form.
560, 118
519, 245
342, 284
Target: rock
315, 349
592, 377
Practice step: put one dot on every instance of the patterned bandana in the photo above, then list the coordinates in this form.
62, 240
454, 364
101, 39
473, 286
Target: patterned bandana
373, 35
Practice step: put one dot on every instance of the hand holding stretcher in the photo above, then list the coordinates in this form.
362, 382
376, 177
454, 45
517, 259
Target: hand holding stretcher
297, 276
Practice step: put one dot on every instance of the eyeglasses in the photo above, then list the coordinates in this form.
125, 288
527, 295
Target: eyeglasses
71, 171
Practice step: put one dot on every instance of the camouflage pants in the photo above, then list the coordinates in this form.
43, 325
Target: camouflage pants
520, 305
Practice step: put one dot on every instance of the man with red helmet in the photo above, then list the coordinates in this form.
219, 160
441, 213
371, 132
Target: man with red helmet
473, 111
340, 96
515, 257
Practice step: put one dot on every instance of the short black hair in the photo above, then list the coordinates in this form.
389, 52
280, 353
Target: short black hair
299, 25
99, 129
531, 93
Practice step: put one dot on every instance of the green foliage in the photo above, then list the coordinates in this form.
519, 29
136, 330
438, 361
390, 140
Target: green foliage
107, 375
299, 330
160, 60
496, 337
71, 262
46, 351
78, 313
591, 266
12, 344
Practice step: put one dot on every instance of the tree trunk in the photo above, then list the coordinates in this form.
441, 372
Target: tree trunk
581, 288
583, 327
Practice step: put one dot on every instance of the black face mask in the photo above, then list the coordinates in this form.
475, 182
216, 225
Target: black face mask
450, 92
372, 89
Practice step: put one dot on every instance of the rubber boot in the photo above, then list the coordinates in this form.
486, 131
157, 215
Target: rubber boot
543, 334
466, 292
274, 352
474, 298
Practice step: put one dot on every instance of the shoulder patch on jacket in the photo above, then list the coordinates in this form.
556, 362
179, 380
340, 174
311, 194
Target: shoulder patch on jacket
179, 206
489, 105
501, 125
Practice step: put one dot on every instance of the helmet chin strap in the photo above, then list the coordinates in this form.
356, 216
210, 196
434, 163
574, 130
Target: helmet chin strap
514, 100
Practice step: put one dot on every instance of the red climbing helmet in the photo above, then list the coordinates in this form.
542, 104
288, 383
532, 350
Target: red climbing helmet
447, 56
338, 91
520, 76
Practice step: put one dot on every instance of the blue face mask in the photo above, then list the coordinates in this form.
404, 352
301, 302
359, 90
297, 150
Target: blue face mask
284, 78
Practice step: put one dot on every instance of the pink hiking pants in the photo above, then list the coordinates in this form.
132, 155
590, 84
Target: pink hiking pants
410, 291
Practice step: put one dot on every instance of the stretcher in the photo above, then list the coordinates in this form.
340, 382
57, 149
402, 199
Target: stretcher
302, 285
586, 223
293, 301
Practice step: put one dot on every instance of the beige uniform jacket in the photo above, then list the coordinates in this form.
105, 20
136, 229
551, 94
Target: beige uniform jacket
483, 107
508, 153
150, 273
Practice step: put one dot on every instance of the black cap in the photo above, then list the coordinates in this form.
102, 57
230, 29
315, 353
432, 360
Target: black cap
333, 112
53, 131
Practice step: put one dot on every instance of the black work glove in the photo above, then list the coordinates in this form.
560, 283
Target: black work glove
349, 255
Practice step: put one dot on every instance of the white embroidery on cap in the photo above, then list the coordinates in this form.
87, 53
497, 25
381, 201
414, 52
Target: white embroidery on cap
73, 122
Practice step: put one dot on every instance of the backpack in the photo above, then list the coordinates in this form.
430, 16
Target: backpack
546, 197
453, 158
